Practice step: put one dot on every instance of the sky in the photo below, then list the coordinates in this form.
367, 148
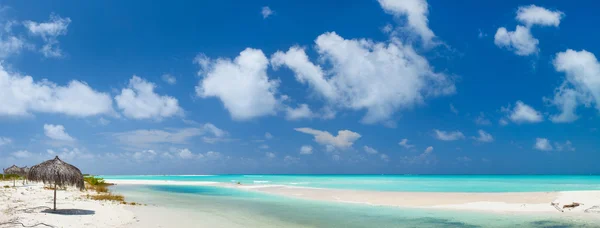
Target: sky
301, 87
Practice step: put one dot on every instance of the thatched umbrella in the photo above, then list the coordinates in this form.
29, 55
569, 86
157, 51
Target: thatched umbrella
25, 172
58, 173
14, 170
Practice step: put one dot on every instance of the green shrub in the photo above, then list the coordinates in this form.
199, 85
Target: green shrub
94, 181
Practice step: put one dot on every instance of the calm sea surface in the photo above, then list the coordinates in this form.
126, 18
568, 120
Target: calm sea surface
253, 209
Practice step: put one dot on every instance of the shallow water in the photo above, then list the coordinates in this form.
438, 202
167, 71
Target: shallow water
252, 209
409, 183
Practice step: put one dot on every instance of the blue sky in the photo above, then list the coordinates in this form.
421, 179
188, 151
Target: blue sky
433, 87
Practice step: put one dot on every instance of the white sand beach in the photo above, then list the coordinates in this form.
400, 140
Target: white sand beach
30, 205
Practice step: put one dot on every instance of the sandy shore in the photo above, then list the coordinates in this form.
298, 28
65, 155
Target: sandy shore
30, 205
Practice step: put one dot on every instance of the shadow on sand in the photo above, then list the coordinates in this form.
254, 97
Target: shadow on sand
69, 212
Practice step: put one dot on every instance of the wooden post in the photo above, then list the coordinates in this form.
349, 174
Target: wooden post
54, 196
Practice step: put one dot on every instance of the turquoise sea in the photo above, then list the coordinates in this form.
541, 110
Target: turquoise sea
252, 209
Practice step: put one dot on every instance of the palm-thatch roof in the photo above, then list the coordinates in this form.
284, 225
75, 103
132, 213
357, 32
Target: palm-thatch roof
56, 172
25, 169
14, 170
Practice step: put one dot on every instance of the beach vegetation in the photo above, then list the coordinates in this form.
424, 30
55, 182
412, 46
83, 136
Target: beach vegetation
6, 186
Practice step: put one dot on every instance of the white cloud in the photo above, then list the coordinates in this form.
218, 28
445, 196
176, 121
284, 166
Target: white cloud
264, 146
379, 77
290, 159
268, 135
543, 144
301, 112
169, 79
22, 154
10, 45
49, 31
370, 150
404, 143
453, 109
139, 101
270, 155
384, 157
427, 157
344, 139
266, 12
503, 122
484, 136
428, 150
581, 85
5, 141
482, 120
21, 95
144, 155
212, 155
145, 138
306, 149
415, 12
566, 146
520, 41
523, 113
242, 84
71, 154
57, 132
535, 15
448, 136
186, 154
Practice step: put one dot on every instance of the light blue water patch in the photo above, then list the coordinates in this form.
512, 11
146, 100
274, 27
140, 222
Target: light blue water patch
407, 183
253, 209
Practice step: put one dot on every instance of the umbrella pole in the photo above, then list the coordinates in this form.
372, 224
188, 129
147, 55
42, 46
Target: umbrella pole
55, 196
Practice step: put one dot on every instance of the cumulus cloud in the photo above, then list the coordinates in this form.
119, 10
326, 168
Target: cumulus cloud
241, 84
169, 79
49, 31
448, 136
139, 101
301, 112
57, 132
404, 143
344, 139
523, 113
521, 41
415, 12
535, 15
581, 85
266, 12
21, 96
484, 136
542, 144
187, 154
361, 74
306, 149
10, 45
370, 150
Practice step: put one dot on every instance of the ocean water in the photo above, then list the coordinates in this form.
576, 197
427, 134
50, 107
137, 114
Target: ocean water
407, 183
254, 209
